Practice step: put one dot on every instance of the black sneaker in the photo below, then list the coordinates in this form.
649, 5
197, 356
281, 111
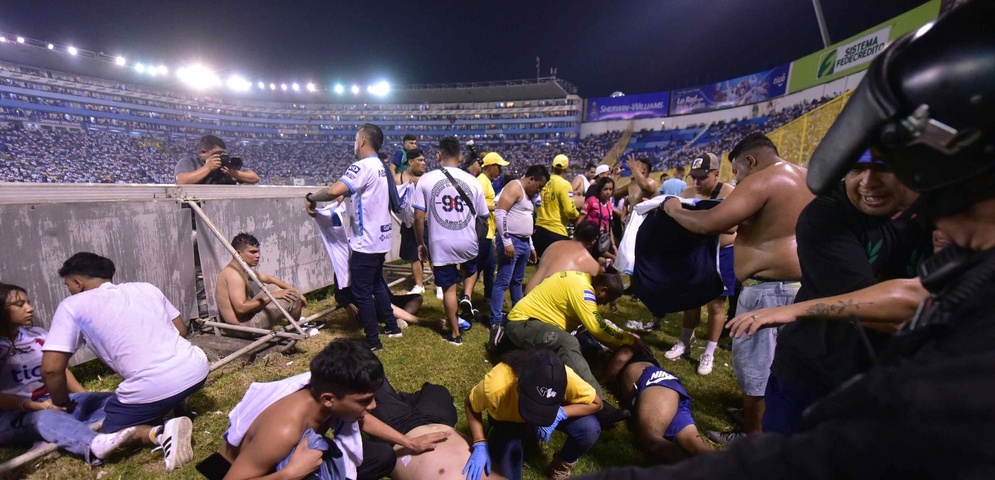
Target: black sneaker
466, 308
610, 415
392, 332
724, 438
495, 338
455, 341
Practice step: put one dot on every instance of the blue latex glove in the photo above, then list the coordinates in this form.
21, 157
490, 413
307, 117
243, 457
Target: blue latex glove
544, 433
479, 462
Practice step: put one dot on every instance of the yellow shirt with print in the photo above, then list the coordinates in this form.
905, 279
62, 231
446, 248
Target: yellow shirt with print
497, 393
485, 184
558, 207
566, 300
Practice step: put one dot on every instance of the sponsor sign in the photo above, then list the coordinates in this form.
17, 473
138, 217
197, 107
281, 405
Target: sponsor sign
743, 90
853, 54
627, 107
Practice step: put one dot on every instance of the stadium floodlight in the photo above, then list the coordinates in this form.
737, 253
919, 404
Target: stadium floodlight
119, 60
20, 39
296, 87
72, 50
51, 47
339, 89
379, 89
261, 85
272, 86
163, 70
283, 86
239, 84
355, 89
139, 68
311, 87
198, 76
151, 71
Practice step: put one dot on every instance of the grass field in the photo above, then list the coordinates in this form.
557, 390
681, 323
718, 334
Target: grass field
421, 355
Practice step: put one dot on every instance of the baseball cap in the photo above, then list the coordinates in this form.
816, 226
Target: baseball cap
703, 164
494, 159
542, 382
601, 169
560, 161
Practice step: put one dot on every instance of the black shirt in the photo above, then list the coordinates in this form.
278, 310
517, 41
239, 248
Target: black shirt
842, 250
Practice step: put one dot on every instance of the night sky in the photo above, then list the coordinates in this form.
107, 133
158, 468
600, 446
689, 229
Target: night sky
631, 46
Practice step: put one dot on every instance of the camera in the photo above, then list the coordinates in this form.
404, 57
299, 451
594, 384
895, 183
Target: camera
229, 162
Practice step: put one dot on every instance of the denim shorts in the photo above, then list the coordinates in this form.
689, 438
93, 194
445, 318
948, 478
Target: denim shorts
752, 355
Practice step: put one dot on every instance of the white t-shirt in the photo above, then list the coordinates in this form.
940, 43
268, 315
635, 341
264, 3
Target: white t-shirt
370, 210
406, 193
332, 222
130, 327
451, 231
20, 374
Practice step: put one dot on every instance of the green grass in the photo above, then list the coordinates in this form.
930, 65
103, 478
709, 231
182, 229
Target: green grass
420, 356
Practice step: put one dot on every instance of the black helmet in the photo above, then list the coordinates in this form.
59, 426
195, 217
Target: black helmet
927, 106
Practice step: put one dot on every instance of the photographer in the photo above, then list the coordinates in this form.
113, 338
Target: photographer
213, 166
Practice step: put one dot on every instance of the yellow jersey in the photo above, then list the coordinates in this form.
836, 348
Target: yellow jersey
566, 300
557, 206
485, 184
497, 393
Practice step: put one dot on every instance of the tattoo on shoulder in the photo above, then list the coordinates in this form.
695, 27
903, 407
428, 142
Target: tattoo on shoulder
838, 308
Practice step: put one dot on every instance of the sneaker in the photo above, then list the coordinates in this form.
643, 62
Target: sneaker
678, 350
402, 324
610, 415
639, 326
464, 325
438, 293
705, 365
417, 290
496, 337
558, 469
174, 441
376, 348
724, 438
455, 341
393, 332
105, 443
466, 308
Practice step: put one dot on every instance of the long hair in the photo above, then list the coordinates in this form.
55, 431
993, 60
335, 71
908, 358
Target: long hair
6, 290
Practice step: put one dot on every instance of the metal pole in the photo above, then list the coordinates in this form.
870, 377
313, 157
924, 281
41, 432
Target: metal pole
822, 23
38, 452
261, 331
210, 225
266, 338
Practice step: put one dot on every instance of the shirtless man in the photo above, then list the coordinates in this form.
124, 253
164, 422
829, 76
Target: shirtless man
642, 187
276, 423
582, 181
665, 429
769, 196
705, 184
567, 255
240, 302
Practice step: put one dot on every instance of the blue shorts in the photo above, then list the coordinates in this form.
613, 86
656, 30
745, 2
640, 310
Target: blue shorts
119, 416
449, 275
726, 269
657, 377
752, 355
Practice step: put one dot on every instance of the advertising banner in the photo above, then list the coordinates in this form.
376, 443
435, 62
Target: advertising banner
856, 53
730, 93
628, 107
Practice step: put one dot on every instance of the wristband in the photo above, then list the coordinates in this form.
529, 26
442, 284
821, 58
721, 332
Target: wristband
477, 442
308, 198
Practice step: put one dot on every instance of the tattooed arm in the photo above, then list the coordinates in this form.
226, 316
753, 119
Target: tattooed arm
887, 303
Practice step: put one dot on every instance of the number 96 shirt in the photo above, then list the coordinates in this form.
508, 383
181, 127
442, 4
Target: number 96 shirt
452, 236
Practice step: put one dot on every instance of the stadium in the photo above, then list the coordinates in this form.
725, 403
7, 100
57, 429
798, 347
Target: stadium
90, 144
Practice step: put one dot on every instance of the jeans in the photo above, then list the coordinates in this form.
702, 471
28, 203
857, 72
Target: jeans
532, 333
70, 431
506, 439
370, 293
510, 273
485, 264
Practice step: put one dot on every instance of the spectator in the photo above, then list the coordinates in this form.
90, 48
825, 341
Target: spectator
569, 255
676, 185
492, 165
582, 181
556, 207
399, 160
406, 181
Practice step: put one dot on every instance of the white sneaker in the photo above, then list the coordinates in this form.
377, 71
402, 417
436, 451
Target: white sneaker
402, 324
639, 326
438, 293
678, 350
105, 443
705, 365
174, 441
418, 290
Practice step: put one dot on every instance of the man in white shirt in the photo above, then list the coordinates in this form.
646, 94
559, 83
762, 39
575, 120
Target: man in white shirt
440, 207
366, 182
133, 329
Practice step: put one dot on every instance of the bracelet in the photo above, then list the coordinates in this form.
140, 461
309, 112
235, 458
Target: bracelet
475, 442
308, 197
23, 403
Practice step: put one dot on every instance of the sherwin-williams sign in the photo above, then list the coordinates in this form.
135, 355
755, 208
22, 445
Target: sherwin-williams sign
856, 53
627, 107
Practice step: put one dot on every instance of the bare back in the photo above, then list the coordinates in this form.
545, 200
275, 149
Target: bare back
765, 242
725, 239
562, 256
446, 462
232, 276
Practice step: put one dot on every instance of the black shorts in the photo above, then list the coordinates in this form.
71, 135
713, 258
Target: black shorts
409, 246
344, 298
